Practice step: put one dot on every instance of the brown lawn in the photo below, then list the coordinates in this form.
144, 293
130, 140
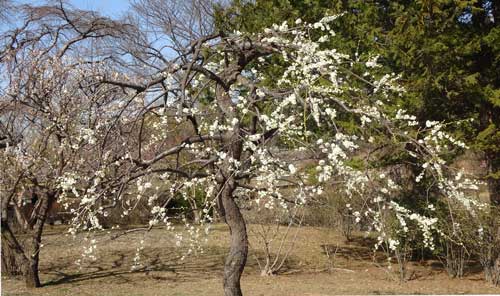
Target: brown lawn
307, 272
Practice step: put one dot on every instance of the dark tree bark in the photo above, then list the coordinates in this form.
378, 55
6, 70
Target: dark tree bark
238, 252
231, 214
12, 247
28, 255
12, 258
31, 273
493, 161
228, 209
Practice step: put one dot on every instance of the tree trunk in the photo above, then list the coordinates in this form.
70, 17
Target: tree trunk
227, 207
32, 251
197, 214
11, 265
12, 247
237, 257
27, 255
494, 191
493, 181
30, 271
32, 278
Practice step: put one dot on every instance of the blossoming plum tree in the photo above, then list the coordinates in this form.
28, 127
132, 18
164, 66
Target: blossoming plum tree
203, 116
240, 126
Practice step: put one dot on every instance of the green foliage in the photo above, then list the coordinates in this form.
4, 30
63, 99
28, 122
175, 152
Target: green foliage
447, 52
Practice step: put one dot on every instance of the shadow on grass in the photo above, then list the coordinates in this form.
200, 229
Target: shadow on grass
153, 262
471, 267
158, 264
361, 248
358, 248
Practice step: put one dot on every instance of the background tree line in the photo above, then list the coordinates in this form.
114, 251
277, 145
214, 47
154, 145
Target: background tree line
447, 52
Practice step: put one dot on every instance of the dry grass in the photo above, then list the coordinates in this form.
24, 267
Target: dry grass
307, 272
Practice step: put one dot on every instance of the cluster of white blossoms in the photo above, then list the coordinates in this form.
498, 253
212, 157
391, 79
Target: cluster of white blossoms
87, 134
321, 82
426, 224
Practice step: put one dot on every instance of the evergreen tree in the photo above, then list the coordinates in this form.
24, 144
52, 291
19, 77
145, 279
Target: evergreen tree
447, 52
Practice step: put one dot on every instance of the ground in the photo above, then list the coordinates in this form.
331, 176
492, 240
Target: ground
308, 271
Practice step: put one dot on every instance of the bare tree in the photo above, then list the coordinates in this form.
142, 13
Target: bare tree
276, 239
41, 112
6, 8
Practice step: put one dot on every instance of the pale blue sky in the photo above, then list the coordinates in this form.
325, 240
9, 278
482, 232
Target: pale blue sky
111, 8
